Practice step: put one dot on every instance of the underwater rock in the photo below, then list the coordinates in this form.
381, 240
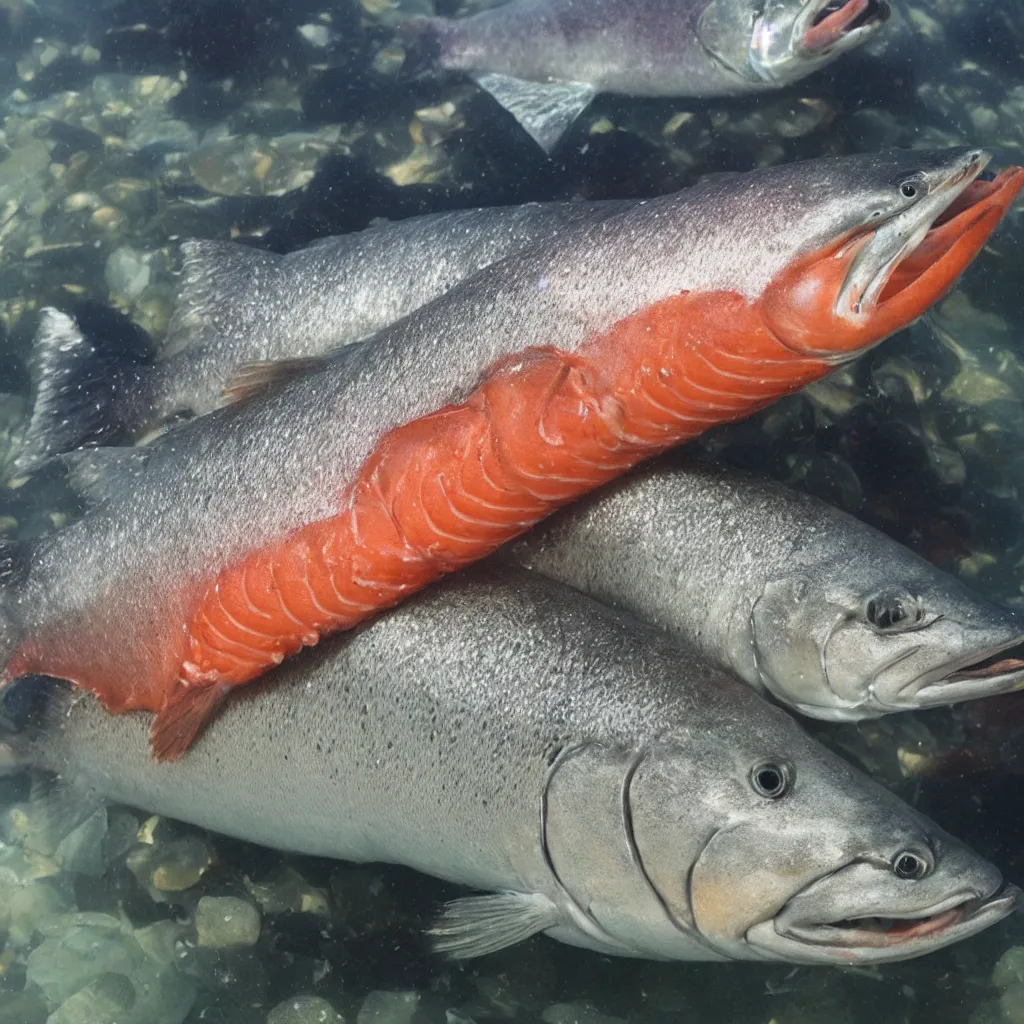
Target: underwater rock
81, 948
304, 1010
388, 1008
1009, 969
108, 999
167, 860
288, 892
127, 272
222, 921
577, 1013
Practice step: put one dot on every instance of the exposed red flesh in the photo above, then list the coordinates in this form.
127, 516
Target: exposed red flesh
833, 27
540, 430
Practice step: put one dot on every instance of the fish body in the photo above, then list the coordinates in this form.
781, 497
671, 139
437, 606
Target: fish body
509, 734
232, 542
795, 597
237, 305
545, 59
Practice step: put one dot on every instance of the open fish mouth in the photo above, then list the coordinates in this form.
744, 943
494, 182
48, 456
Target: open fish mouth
844, 21
952, 920
999, 671
913, 252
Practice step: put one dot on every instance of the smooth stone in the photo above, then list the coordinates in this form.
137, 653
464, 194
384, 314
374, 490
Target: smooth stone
1009, 968
127, 273
388, 1008
304, 1010
226, 921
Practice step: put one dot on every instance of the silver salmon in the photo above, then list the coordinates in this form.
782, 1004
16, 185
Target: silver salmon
795, 597
544, 60
230, 543
237, 306
604, 787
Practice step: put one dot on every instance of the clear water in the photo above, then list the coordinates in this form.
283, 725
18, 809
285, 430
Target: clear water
128, 125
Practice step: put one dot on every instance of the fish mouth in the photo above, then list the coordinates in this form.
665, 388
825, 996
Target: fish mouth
919, 253
913, 933
1000, 670
844, 22
881, 276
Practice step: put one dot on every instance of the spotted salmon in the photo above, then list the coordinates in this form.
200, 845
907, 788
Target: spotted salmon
602, 786
227, 545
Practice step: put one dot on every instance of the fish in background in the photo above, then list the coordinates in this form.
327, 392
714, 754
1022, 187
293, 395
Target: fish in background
797, 598
238, 305
605, 787
545, 60
225, 546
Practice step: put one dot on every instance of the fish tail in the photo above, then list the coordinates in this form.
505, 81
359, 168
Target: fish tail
425, 43
90, 384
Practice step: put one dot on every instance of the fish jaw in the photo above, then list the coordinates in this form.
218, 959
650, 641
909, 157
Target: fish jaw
855, 292
991, 673
842, 26
789, 43
866, 936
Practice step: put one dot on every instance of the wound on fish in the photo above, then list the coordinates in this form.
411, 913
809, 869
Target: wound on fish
447, 489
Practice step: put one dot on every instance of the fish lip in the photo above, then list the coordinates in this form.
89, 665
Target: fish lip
964, 679
828, 31
864, 289
956, 917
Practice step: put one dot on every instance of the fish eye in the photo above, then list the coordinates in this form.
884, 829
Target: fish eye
910, 866
772, 779
908, 190
891, 612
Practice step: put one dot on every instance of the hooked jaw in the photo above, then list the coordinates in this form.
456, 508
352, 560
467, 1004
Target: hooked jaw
998, 670
840, 25
864, 936
882, 276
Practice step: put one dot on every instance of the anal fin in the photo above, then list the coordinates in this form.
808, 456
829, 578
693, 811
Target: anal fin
544, 109
187, 712
478, 925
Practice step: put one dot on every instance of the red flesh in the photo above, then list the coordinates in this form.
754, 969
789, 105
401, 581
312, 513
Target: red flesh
540, 430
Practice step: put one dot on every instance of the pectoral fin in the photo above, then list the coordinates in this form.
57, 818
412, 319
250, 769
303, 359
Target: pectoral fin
544, 109
477, 925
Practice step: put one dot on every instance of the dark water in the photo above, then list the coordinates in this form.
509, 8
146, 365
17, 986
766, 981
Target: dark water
131, 124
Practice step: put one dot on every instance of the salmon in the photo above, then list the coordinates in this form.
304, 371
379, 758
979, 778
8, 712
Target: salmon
545, 60
229, 544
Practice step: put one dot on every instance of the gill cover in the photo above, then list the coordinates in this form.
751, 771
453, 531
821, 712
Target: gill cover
725, 29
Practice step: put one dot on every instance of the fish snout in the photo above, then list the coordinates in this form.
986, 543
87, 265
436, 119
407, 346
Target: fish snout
876, 911
844, 23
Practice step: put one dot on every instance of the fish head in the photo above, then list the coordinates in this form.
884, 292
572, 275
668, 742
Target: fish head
875, 240
774, 42
799, 857
858, 634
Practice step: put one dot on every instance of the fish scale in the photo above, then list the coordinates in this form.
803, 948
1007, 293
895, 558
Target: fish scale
402, 458
550, 428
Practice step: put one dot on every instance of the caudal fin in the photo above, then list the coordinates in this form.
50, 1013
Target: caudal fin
91, 374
